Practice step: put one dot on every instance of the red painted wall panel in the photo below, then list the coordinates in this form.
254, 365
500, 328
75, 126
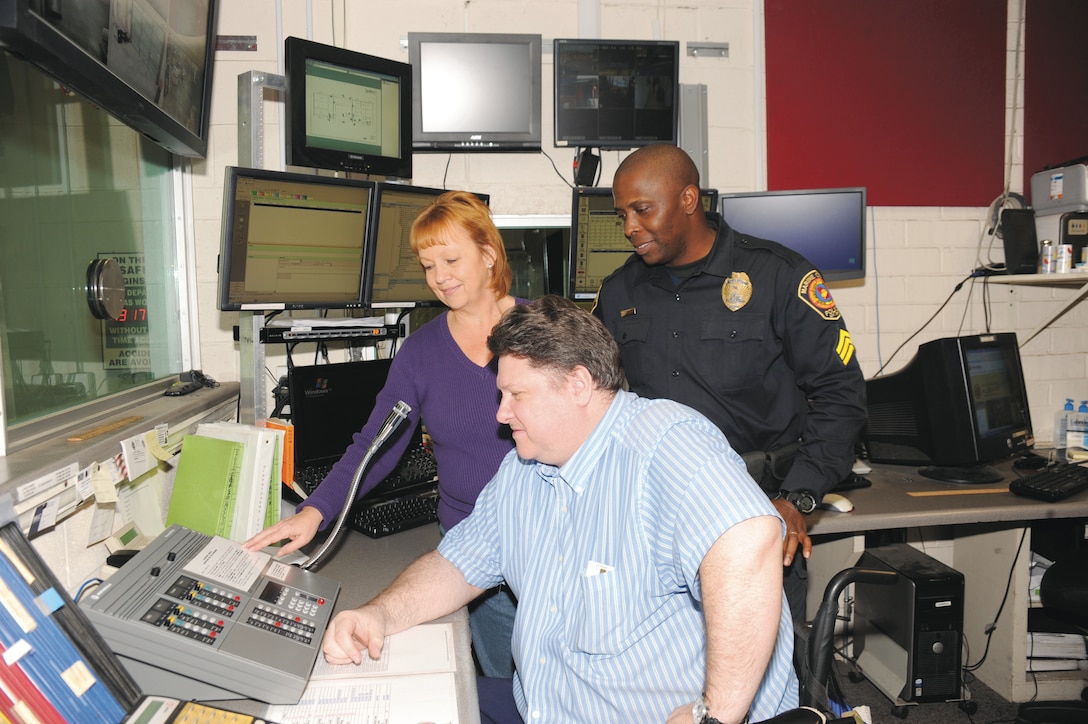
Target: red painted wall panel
905, 97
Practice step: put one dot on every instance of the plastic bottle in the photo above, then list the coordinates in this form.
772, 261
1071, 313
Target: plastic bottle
1061, 424
1083, 406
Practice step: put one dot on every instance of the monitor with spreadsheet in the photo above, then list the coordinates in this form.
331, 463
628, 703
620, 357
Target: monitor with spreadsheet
292, 241
597, 244
394, 277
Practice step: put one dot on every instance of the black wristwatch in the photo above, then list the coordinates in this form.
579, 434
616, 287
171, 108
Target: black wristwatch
804, 500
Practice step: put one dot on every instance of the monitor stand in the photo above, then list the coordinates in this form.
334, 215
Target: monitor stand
971, 475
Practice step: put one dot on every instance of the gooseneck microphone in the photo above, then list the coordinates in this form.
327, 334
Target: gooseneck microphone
396, 416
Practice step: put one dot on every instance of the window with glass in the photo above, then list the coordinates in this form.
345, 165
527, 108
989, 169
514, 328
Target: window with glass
78, 187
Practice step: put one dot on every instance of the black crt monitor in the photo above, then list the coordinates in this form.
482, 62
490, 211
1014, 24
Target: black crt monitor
616, 93
292, 241
149, 65
958, 405
475, 92
394, 277
347, 111
826, 226
597, 244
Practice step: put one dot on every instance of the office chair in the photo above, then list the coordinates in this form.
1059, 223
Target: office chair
1064, 593
814, 652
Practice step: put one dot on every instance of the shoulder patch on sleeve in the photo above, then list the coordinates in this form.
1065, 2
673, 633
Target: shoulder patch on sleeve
813, 291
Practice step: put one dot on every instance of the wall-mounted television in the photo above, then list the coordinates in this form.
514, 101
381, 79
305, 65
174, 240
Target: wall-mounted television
347, 111
959, 404
475, 92
826, 226
149, 65
394, 276
292, 241
616, 93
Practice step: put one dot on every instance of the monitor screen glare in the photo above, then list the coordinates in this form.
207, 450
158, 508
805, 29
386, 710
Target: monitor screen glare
476, 92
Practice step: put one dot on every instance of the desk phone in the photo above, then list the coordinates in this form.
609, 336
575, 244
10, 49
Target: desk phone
195, 616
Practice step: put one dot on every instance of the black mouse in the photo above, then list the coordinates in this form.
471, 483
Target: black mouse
1030, 461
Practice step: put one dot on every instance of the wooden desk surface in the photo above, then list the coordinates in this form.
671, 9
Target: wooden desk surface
902, 498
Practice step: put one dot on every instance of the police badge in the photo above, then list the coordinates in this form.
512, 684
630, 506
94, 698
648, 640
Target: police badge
736, 291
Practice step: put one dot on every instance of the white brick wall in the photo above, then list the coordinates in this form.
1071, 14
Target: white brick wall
916, 255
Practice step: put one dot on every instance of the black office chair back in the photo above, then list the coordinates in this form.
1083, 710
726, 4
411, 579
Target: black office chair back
1064, 595
816, 659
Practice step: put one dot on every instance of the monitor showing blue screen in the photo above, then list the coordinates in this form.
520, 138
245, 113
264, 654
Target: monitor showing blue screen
826, 226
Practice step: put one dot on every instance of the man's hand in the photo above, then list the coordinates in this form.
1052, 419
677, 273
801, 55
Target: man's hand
680, 715
299, 529
796, 531
351, 632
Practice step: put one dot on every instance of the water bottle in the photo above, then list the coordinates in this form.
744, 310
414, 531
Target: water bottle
1061, 424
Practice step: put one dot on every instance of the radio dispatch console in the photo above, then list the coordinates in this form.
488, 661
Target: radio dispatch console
195, 616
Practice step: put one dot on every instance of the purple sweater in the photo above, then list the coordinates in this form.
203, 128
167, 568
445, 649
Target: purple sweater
457, 400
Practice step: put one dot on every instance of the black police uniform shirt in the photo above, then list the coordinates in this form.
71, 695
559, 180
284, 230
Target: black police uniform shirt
754, 341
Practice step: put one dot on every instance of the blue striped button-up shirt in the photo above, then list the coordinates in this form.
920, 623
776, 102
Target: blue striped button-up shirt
603, 554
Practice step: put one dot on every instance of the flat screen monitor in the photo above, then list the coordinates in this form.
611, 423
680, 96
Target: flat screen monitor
616, 93
958, 405
597, 244
149, 65
394, 276
537, 248
826, 226
347, 111
292, 241
475, 92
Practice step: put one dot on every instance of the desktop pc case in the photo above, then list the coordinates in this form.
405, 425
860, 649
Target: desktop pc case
907, 635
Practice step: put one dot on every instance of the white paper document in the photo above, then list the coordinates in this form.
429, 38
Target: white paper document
412, 682
227, 562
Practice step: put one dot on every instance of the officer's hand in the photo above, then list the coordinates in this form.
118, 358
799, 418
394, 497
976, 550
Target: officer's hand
796, 531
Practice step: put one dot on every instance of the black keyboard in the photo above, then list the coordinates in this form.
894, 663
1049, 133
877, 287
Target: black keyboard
393, 516
1052, 484
407, 498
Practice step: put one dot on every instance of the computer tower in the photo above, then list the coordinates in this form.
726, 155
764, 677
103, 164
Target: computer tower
907, 635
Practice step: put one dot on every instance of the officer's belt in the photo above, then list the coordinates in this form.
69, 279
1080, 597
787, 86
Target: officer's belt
770, 467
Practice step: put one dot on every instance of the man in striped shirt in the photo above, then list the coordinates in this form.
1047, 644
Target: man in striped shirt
647, 589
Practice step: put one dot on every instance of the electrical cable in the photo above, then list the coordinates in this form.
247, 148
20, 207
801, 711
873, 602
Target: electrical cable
993, 626
556, 168
926, 324
84, 586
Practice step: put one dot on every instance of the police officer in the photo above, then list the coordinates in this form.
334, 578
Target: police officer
743, 330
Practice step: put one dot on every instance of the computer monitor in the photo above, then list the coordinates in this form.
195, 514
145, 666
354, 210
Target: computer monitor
148, 65
475, 92
537, 249
597, 244
616, 93
826, 226
958, 405
347, 111
292, 241
394, 277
